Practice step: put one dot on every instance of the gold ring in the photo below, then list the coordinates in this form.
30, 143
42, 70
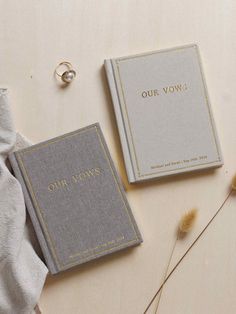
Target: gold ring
68, 75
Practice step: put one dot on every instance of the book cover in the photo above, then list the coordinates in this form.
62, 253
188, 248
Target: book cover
163, 113
75, 198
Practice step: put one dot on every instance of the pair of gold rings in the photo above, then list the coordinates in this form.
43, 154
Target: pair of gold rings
68, 75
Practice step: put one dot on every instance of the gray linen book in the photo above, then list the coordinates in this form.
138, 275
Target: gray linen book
163, 113
75, 198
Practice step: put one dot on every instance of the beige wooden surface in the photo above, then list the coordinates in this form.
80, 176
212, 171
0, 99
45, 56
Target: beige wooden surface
34, 37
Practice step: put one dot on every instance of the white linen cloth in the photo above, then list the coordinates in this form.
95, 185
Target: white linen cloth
22, 272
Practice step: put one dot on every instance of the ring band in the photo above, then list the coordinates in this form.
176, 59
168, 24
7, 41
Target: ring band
68, 75
65, 63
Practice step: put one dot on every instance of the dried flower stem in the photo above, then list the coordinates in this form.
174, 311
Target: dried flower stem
167, 269
233, 189
185, 225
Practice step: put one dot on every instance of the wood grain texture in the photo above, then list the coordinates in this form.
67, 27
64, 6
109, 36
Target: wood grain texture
35, 36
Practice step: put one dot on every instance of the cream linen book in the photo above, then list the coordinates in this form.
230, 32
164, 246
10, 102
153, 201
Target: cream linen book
163, 113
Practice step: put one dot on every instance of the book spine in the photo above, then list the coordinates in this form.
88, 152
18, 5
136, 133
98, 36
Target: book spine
34, 218
119, 120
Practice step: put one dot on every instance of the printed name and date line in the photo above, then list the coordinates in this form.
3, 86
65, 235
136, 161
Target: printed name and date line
180, 162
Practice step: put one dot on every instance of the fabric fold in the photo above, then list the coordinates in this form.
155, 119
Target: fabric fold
22, 271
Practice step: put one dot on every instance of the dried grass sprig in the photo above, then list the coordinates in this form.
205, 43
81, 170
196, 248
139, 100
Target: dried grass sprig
233, 184
186, 224
187, 221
